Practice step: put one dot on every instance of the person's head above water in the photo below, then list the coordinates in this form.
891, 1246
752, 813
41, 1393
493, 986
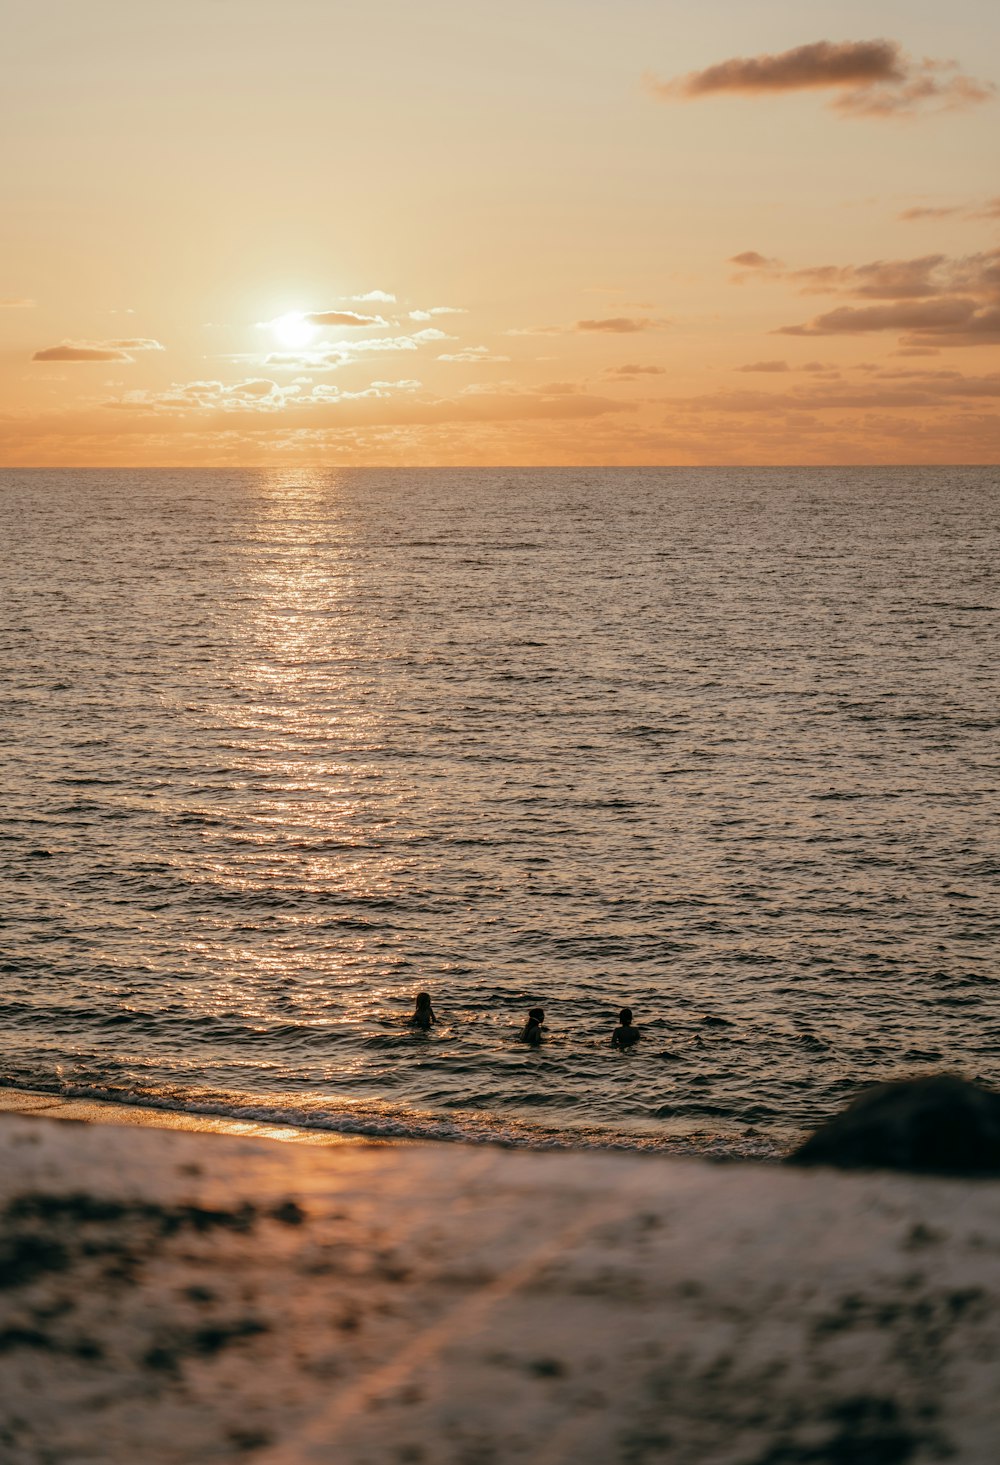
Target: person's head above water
423, 1014
532, 1030
625, 1017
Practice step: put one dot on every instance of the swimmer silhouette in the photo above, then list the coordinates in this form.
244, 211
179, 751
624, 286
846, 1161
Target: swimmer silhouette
532, 1030
626, 1035
423, 1015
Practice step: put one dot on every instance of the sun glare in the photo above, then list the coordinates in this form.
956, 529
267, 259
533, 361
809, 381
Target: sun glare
293, 329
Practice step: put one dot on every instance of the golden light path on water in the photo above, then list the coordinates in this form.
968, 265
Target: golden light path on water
307, 712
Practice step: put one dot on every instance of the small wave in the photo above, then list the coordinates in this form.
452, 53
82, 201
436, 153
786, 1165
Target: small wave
466, 1128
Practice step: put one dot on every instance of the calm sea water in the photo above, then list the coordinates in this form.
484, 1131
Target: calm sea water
281, 748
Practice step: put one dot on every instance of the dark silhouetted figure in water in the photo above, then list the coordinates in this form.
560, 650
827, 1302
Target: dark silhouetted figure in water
626, 1035
532, 1030
423, 1015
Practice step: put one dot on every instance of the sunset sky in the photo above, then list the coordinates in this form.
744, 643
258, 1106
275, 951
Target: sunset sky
452, 232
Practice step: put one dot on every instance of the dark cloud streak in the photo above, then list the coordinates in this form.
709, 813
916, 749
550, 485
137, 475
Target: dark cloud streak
870, 78
620, 325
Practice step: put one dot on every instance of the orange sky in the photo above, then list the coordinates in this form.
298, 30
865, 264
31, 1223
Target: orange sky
533, 233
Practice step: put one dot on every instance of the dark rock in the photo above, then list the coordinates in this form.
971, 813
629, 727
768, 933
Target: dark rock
940, 1125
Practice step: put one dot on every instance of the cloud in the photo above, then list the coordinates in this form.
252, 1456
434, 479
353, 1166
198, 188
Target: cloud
96, 350
534, 331
632, 369
751, 260
899, 391
920, 315
990, 209
910, 215
80, 353
375, 295
765, 366
891, 279
755, 266
437, 310
956, 301
211, 405
481, 407
894, 279
822, 64
981, 329
257, 394
473, 353
323, 359
619, 325
14, 303
341, 353
342, 318
869, 78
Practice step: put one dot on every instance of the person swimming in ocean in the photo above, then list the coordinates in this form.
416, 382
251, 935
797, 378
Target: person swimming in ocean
532, 1030
626, 1035
423, 1013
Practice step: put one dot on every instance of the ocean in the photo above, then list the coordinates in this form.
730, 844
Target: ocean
282, 748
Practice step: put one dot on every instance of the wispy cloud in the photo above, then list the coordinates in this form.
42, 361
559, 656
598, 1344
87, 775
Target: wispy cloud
69, 352
437, 310
97, 350
342, 318
868, 78
897, 390
886, 279
768, 366
988, 210
374, 296
326, 358
632, 369
473, 353
340, 353
15, 303
942, 212
893, 279
323, 406
620, 325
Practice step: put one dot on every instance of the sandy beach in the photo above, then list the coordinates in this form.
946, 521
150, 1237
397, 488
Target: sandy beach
186, 1297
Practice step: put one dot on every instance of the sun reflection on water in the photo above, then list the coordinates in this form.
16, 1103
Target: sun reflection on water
303, 850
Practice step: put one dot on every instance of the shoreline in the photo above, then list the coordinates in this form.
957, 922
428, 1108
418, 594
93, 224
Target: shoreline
36, 1103
698, 1145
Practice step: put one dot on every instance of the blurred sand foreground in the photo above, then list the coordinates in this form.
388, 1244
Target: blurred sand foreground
184, 1297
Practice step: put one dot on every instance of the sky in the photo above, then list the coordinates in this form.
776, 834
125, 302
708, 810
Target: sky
383, 232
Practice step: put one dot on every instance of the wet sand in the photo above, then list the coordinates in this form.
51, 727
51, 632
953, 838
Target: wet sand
135, 1116
189, 1297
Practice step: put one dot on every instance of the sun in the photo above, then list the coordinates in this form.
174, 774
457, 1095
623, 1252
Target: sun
294, 329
